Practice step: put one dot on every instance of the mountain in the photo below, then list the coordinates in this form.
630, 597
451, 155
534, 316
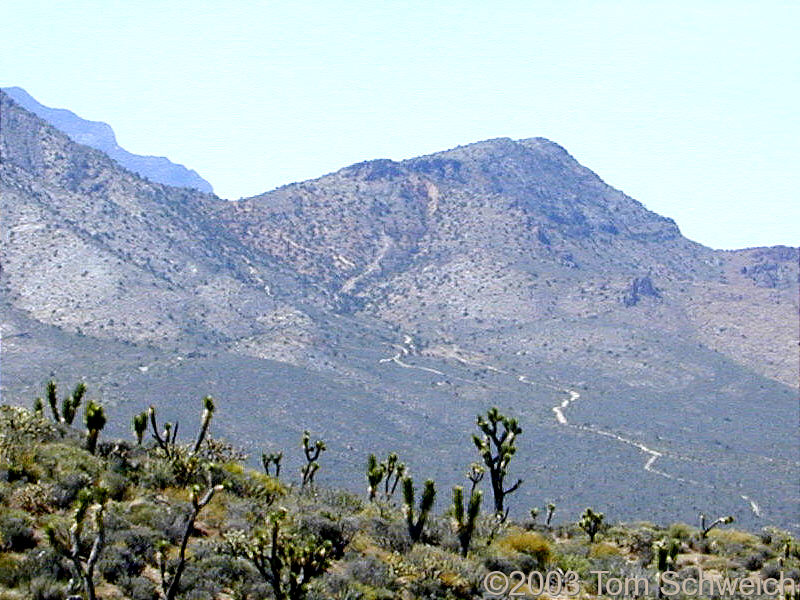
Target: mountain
100, 136
385, 305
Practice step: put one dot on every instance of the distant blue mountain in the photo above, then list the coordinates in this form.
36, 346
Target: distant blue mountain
100, 136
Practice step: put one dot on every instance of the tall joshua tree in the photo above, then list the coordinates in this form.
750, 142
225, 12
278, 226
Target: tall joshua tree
497, 446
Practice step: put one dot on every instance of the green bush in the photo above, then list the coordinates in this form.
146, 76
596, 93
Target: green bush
531, 543
16, 533
139, 588
43, 588
10, 571
117, 562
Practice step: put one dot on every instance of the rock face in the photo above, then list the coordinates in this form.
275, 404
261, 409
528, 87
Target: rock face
101, 137
410, 295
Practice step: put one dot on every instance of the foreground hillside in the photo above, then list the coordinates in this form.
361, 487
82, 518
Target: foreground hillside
386, 304
117, 519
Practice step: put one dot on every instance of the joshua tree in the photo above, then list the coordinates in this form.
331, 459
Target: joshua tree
394, 471
534, 514
591, 522
73, 548
272, 459
52, 400
704, 529
475, 475
95, 419
38, 407
170, 582
70, 404
205, 421
165, 439
139, 423
497, 448
551, 509
464, 524
309, 470
415, 526
375, 473
287, 562
664, 553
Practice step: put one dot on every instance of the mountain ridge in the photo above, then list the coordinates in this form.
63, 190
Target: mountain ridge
101, 136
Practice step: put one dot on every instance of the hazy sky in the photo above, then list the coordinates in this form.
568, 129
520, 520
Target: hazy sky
691, 108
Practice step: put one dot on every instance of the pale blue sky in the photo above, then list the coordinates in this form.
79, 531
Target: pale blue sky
691, 108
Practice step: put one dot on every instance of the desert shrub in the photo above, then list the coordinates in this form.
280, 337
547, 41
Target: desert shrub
59, 459
370, 571
453, 571
793, 574
43, 588
392, 535
531, 543
681, 531
753, 562
141, 541
9, 571
499, 563
603, 550
66, 488
34, 498
158, 474
138, 588
47, 564
338, 533
771, 570
16, 533
342, 500
573, 562
733, 537
119, 561
116, 484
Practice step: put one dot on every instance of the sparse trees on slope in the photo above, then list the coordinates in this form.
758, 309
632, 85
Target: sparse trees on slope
497, 446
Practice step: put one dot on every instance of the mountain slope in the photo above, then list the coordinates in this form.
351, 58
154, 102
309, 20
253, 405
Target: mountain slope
504, 234
384, 305
100, 136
